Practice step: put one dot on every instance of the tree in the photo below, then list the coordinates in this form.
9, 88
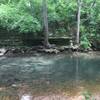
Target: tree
78, 21
45, 23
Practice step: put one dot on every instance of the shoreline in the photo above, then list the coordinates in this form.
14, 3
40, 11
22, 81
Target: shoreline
35, 51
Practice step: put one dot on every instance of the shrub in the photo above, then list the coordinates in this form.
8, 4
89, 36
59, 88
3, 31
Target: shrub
12, 18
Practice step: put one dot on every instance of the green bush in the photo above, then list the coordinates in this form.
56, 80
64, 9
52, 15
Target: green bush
85, 43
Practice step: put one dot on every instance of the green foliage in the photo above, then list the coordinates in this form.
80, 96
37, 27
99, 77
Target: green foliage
25, 16
12, 18
88, 96
85, 43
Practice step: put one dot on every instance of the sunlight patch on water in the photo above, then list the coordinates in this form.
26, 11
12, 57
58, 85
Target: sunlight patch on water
37, 61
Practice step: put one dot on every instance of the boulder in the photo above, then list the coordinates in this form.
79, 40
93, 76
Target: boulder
51, 51
2, 51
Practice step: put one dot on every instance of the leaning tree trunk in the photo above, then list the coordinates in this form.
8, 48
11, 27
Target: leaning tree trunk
78, 22
45, 23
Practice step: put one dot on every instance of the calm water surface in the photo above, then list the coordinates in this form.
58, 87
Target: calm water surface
49, 74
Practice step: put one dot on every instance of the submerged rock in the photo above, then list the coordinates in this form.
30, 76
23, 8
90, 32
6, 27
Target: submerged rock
26, 97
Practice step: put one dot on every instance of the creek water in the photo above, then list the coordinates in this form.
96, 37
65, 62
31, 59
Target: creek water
24, 77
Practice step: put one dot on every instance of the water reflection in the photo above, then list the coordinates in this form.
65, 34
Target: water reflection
77, 71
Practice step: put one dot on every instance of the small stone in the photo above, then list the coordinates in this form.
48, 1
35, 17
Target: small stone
14, 85
26, 97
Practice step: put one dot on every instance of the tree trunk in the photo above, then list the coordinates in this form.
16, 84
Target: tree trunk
78, 22
45, 22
